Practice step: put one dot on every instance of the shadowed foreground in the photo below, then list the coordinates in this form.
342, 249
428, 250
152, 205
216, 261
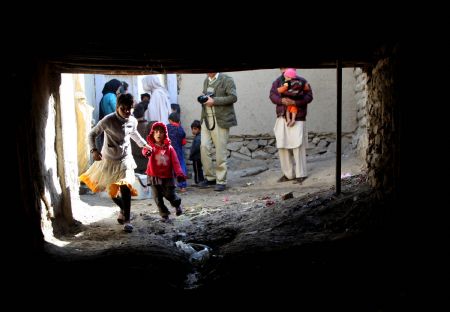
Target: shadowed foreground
319, 250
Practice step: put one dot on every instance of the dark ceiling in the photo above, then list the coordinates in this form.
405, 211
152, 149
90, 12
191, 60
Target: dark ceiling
79, 40
100, 56
86, 51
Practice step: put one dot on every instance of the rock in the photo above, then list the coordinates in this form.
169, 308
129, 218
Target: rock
287, 196
254, 171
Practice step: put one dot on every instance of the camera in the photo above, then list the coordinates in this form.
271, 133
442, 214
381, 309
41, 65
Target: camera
204, 97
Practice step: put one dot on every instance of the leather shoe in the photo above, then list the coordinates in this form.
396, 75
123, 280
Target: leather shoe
299, 180
219, 187
283, 179
203, 184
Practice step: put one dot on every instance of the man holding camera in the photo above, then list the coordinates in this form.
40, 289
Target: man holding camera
218, 116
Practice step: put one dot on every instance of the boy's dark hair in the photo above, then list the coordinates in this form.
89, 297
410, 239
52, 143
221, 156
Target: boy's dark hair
139, 111
176, 107
196, 124
143, 95
125, 99
175, 117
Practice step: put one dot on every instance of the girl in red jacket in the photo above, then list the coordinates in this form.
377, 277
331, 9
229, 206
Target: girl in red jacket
162, 167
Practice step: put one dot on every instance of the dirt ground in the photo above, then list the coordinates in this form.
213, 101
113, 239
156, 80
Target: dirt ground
298, 250
97, 213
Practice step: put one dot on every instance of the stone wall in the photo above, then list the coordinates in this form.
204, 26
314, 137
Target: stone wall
383, 124
360, 140
247, 147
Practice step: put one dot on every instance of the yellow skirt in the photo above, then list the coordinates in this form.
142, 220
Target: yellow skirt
110, 174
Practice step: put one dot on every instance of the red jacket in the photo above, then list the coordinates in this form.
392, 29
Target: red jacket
163, 161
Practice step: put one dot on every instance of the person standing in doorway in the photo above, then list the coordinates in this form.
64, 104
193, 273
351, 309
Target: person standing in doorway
218, 116
159, 107
291, 140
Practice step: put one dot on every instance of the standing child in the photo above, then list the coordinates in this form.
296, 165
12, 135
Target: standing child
113, 167
291, 88
195, 155
177, 138
162, 165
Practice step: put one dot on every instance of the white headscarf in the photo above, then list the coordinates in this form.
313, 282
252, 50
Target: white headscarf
159, 106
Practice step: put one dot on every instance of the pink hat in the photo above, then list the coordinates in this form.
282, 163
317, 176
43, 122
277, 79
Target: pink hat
290, 73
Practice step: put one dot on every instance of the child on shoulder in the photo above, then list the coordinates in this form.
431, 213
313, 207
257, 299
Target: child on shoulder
291, 88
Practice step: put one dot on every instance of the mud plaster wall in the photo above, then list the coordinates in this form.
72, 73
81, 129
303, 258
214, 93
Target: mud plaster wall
30, 80
50, 175
255, 112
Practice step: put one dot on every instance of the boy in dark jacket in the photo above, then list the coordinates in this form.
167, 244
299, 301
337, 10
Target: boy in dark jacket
195, 156
177, 138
